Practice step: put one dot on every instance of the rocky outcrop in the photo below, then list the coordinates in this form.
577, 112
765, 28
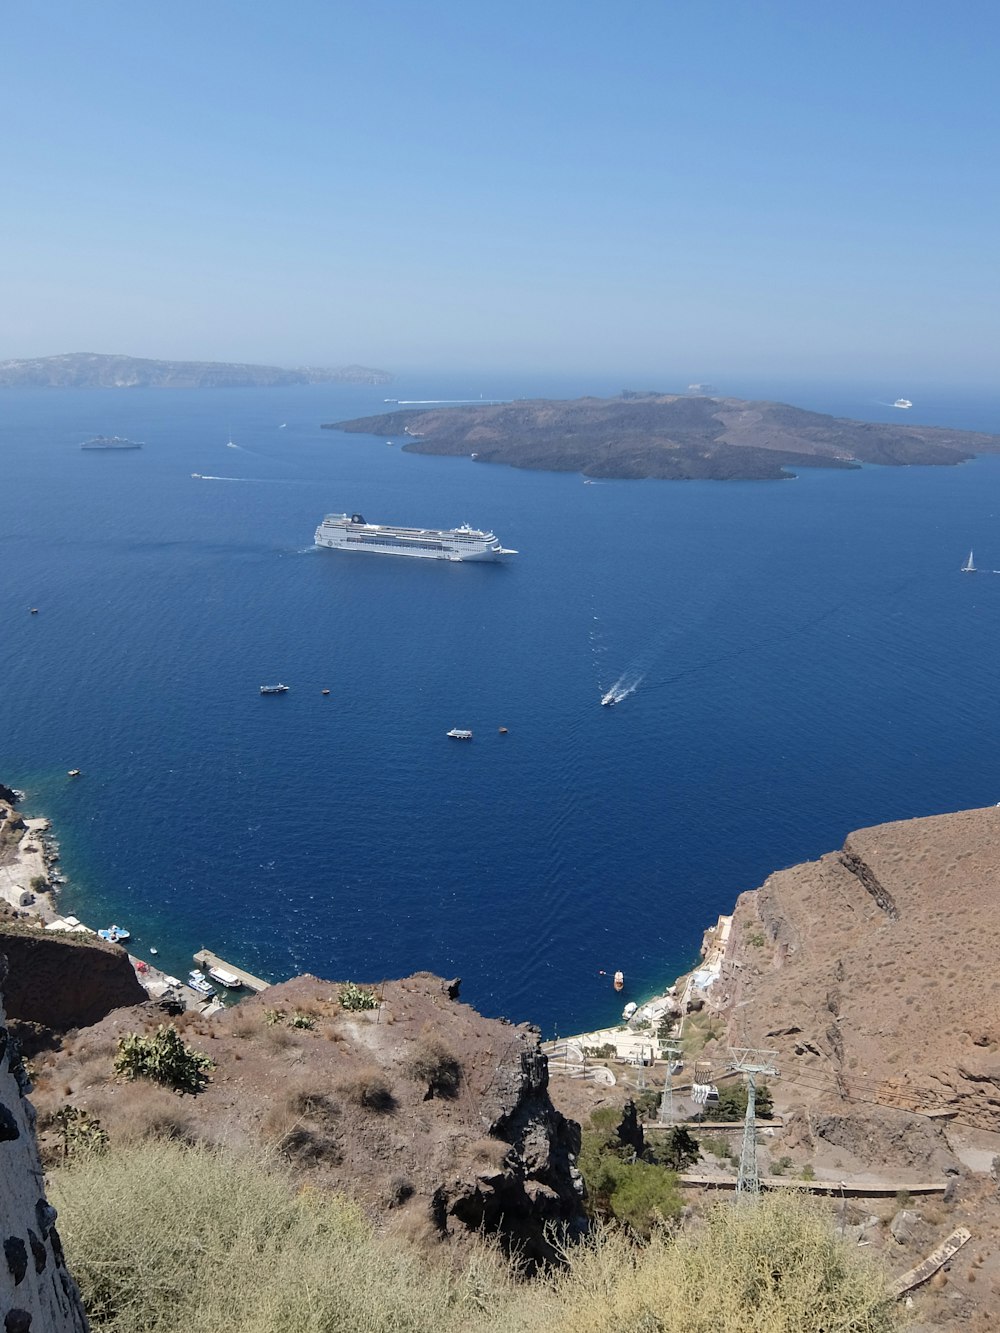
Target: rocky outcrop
434, 1118
37, 1294
871, 971
55, 983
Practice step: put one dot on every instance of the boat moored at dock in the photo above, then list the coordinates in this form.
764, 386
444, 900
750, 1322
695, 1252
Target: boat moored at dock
342, 532
228, 979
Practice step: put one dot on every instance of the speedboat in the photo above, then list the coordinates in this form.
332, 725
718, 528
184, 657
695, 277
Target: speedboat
460, 734
197, 982
274, 689
608, 700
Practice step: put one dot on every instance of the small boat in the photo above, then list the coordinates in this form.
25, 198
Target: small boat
629, 1010
73, 773
274, 689
115, 934
34, 610
902, 402
619, 981
153, 949
325, 691
228, 979
460, 734
197, 476
283, 425
197, 982
608, 700
969, 566
502, 730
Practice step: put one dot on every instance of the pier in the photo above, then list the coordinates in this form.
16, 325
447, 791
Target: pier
206, 958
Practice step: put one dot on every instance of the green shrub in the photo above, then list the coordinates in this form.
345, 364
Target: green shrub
732, 1103
298, 1020
80, 1131
354, 998
677, 1148
163, 1058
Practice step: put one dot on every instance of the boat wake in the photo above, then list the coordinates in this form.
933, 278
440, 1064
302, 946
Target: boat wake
627, 683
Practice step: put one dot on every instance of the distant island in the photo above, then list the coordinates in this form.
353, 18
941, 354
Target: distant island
673, 437
96, 370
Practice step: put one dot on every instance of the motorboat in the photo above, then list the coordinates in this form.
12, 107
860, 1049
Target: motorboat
228, 979
199, 983
619, 981
608, 700
629, 1010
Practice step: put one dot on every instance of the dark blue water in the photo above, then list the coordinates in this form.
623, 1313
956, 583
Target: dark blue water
811, 661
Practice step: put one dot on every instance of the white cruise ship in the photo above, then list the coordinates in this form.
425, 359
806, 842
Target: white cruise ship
342, 532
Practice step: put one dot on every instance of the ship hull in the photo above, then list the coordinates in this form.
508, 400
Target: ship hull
415, 554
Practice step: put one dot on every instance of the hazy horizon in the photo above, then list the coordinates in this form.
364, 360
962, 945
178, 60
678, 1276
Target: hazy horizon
744, 191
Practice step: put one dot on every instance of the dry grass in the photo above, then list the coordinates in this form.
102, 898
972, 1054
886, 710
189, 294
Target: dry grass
367, 1088
163, 1238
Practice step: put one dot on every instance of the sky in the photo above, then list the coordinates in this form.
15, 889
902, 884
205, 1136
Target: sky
707, 188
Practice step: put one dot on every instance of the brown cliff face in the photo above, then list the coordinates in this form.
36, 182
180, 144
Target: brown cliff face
37, 1294
57, 983
437, 1120
873, 972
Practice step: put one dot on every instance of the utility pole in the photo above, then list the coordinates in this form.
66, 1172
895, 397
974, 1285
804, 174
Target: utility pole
666, 1116
750, 1061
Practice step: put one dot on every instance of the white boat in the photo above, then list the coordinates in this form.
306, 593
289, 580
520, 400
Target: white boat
115, 934
274, 689
460, 734
902, 402
197, 982
608, 700
969, 567
629, 1010
228, 979
343, 532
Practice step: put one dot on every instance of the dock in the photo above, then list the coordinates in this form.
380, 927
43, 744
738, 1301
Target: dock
206, 958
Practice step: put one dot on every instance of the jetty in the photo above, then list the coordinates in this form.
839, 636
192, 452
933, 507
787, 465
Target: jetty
206, 958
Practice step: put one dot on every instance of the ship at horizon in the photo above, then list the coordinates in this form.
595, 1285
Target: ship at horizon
111, 442
342, 532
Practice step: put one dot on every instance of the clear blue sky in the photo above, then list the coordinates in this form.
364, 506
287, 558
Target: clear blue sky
715, 187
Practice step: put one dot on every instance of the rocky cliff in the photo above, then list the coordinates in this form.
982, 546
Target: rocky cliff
59, 982
436, 1119
37, 1295
872, 972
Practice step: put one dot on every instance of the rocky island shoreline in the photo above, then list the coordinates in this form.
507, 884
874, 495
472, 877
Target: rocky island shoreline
671, 437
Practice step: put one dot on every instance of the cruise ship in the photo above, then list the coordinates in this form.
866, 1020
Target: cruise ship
343, 532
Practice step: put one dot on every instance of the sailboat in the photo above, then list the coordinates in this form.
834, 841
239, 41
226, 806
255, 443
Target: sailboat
969, 567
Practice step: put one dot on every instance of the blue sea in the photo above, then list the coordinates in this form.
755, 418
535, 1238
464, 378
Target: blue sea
806, 659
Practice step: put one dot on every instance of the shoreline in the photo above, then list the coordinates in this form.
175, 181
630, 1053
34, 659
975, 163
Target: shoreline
30, 884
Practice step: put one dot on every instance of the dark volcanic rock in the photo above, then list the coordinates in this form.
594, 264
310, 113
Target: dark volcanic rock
667, 436
58, 984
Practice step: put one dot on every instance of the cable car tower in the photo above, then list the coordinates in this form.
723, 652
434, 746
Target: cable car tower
750, 1061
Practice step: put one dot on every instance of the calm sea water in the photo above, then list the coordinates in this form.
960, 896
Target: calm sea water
809, 660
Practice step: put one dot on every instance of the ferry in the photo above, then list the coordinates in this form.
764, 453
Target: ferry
228, 979
460, 734
902, 402
342, 532
274, 689
111, 442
